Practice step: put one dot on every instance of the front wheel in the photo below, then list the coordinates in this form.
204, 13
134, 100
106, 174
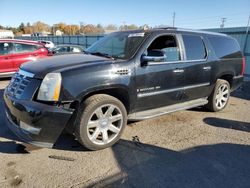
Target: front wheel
101, 122
219, 98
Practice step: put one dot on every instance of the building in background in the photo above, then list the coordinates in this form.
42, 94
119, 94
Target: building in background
59, 33
6, 34
242, 36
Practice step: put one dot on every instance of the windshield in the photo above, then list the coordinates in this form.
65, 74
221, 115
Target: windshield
121, 45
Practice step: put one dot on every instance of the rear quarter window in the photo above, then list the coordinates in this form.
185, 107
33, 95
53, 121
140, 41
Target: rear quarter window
225, 47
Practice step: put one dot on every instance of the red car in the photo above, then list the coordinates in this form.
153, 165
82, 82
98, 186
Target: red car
15, 52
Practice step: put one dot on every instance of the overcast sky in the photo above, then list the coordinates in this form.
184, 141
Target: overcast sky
189, 13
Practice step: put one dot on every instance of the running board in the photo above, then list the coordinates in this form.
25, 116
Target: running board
166, 109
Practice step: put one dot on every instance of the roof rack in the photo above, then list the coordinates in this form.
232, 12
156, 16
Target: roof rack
175, 28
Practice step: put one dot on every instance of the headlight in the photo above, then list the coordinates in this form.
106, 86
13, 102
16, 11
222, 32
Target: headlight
50, 87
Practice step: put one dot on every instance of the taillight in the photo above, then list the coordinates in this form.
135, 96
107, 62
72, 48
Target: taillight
243, 65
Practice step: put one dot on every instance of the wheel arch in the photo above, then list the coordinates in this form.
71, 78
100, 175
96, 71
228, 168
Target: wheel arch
228, 76
121, 93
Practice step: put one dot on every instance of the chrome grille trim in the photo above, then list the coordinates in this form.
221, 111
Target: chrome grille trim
18, 83
25, 73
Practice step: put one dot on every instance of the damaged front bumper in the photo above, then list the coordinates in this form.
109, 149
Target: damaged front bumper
36, 123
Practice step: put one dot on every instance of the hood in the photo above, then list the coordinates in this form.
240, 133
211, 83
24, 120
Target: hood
51, 64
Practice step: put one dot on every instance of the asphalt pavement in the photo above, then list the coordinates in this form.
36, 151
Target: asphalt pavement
192, 148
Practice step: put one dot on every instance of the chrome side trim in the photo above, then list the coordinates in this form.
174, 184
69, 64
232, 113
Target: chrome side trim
237, 77
140, 95
6, 73
25, 73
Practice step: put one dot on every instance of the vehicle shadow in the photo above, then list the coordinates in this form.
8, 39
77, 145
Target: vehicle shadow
243, 92
5, 79
226, 123
143, 165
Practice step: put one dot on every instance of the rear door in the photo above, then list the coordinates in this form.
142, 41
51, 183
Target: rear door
197, 72
6, 49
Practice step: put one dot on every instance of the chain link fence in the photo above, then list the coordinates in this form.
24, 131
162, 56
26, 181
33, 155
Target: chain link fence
82, 40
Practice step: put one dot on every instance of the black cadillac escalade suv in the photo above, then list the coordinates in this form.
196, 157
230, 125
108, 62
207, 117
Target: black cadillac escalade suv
129, 75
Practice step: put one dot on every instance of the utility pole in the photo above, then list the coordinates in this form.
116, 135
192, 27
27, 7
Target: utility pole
81, 26
247, 33
173, 19
223, 20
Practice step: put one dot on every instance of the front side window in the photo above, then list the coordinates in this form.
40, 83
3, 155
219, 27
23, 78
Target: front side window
120, 45
168, 45
6, 48
194, 46
24, 48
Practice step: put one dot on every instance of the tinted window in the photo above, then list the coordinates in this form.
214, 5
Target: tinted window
194, 46
22, 48
168, 45
6, 48
63, 49
225, 47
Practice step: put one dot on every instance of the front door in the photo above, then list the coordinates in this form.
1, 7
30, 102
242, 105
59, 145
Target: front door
160, 83
6, 65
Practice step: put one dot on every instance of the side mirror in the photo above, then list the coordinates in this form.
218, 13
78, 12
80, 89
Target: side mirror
153, 56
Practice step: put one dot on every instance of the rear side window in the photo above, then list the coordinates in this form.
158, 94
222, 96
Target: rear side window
195, 48
225, 47
23, 48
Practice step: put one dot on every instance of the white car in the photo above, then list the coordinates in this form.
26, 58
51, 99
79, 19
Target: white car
47, 44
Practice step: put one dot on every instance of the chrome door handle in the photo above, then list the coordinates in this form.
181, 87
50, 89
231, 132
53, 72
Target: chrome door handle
178, 71
207, 68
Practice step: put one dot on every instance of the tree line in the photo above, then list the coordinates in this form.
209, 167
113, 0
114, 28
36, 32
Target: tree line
67, 29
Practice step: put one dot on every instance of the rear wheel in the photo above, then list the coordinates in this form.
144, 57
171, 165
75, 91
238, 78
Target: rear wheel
219, 98
101, 122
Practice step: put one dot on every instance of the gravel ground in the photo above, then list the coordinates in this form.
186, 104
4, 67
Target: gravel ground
192, 148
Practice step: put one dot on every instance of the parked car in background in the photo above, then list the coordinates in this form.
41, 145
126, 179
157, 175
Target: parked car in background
15, 52
67, 48
47, 44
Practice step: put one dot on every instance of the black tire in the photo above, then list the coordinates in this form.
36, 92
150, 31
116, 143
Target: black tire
212, 101
87, 110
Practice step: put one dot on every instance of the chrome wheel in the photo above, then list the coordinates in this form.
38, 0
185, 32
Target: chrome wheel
105, 124
222, 96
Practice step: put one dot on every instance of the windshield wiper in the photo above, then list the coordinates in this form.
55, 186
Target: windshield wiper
102, 54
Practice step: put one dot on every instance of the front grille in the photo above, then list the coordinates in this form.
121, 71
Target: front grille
17, 84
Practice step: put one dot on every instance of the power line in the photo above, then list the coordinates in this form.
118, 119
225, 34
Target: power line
195, 20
